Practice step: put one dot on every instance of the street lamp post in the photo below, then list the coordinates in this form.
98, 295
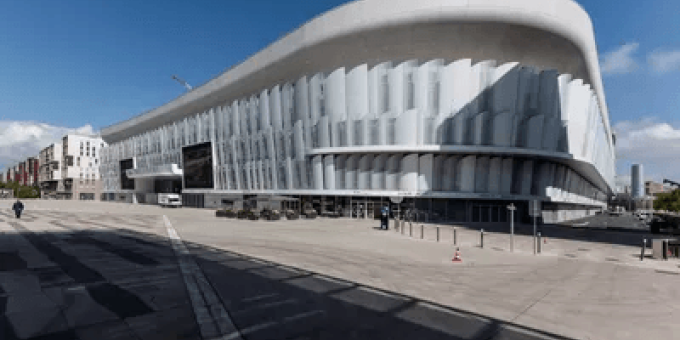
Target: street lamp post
512, 209
181, 81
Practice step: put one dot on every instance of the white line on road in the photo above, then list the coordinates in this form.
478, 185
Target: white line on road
210, 313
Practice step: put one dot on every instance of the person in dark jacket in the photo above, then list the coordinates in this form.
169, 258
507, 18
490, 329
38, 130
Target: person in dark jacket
18, 207
385, 217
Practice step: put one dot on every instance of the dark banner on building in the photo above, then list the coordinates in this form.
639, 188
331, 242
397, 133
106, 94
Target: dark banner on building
125, 182
198, 166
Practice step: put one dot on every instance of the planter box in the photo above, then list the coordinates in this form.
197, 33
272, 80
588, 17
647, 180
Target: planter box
292, 215
310, 214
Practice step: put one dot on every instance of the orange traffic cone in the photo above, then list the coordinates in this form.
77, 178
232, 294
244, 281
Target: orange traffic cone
457, 258
545, 240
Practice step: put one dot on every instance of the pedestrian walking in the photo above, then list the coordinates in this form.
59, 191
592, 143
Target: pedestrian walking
18, 207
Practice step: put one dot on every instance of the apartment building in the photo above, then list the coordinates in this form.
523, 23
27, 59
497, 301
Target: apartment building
49, 177
31, 166
80, 157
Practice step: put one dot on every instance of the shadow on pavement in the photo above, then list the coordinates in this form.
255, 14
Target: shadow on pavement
268, 300
555, 231
122, 284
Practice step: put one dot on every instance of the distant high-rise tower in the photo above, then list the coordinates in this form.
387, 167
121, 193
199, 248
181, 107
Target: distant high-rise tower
637, 181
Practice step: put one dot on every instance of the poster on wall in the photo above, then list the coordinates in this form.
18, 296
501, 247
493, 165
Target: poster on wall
197, 163
126, 183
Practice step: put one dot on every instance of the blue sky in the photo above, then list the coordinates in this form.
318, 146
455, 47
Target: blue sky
69, 64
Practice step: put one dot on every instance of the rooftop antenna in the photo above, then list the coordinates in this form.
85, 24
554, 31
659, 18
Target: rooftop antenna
179, 80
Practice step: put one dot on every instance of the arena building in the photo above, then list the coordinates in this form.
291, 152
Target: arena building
452, 108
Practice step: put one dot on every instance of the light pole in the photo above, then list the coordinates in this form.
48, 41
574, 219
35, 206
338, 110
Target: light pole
512, 208
181, 81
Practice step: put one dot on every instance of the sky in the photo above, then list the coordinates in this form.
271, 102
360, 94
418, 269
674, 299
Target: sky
78, 66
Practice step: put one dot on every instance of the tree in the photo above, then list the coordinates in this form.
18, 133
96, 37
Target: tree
21, 191
668, 201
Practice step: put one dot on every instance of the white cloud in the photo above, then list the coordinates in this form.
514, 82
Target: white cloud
620, 60
664, 61
654, 144
21, 139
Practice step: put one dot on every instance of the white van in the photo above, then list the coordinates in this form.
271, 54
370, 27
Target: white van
170, 200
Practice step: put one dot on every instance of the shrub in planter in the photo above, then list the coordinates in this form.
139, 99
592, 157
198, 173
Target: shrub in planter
274, 215
292, 215
242, 214
310, 213
221, 213
253, 215
229, 213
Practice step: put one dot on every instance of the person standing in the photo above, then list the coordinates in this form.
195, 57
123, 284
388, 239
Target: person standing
384, 219
18, 207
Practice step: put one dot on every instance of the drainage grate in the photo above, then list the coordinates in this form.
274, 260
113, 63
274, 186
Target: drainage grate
583, 249
570, 255
612, 259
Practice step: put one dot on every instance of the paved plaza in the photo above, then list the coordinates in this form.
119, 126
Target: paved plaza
94, 270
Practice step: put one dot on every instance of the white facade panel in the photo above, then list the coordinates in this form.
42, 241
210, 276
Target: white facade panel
426, 173
409, 173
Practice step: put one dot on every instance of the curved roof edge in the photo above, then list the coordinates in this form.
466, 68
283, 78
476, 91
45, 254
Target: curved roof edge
565, 18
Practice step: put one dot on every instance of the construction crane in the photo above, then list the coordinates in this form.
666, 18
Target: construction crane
181, 81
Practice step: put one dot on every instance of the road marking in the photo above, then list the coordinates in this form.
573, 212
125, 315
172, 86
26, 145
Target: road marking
303, 315
259, 297
208, 309
266, 306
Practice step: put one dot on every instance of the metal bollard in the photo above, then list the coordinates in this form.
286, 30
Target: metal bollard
437, 233
410, 229
481, 238
644, 247
422, 231
538, 246
455, 237
403, 225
